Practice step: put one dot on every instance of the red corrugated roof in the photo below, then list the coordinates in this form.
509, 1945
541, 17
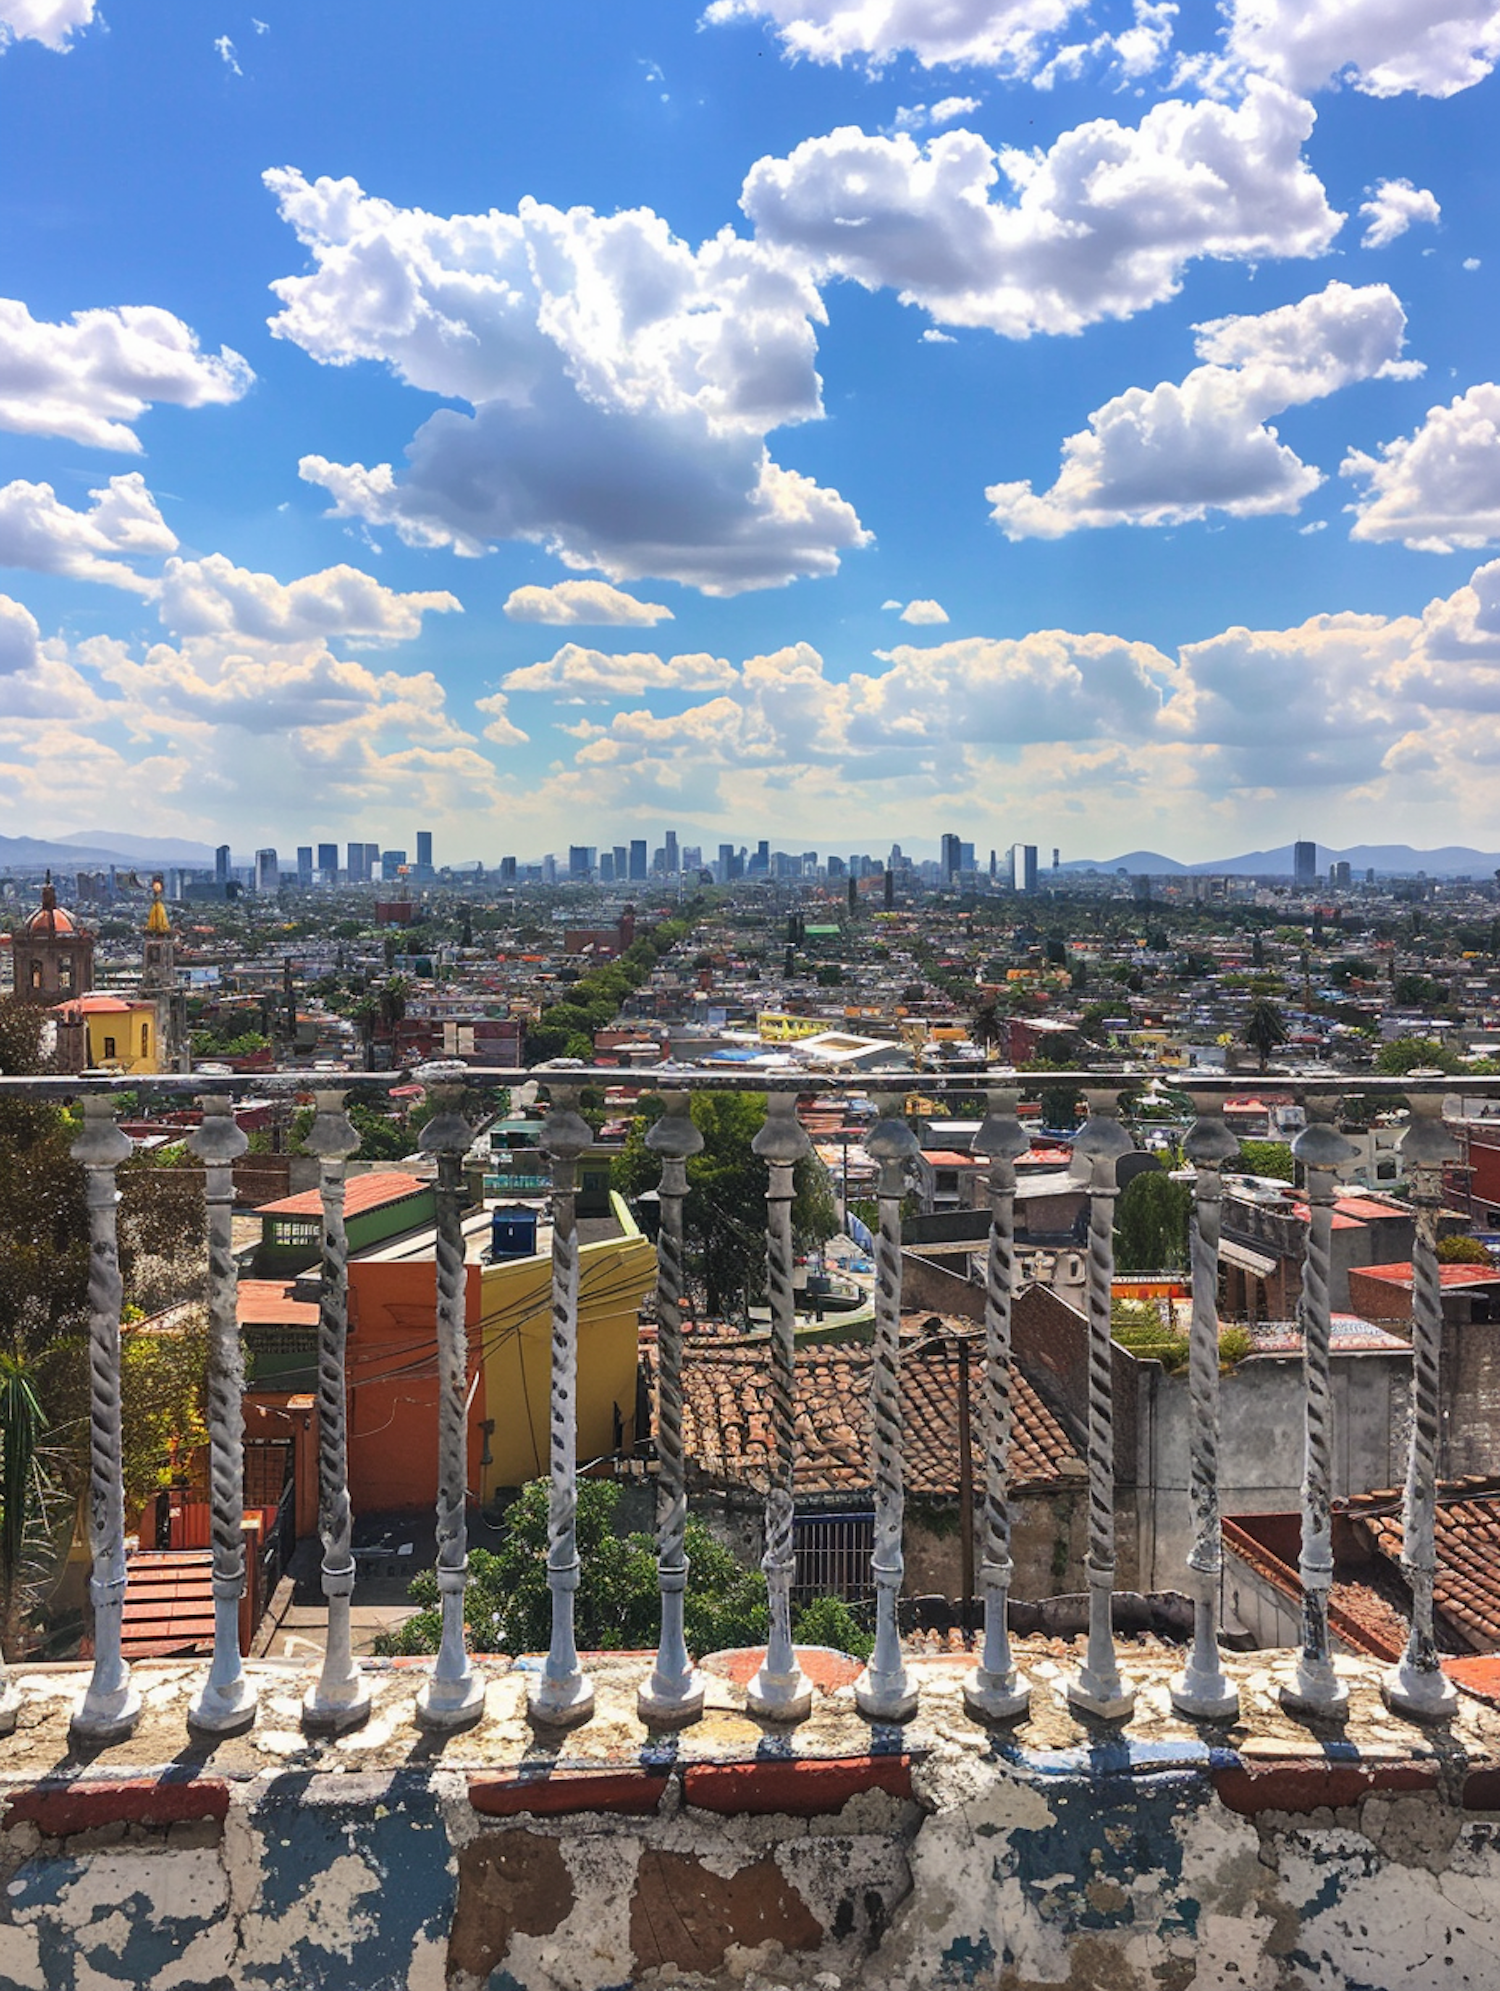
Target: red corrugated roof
364, 1192
269, 1303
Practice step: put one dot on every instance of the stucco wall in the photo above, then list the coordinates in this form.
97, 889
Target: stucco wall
1051, 1858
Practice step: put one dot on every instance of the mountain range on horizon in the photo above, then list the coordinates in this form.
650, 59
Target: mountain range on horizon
95, 848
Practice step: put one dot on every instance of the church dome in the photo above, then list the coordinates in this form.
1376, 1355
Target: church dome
50, 921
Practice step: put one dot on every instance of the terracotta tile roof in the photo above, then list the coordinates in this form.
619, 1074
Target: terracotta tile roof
1399, 1274
1467, 1591
364, 1192
727, 1422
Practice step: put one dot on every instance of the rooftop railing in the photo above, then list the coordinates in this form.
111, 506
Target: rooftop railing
561, 1694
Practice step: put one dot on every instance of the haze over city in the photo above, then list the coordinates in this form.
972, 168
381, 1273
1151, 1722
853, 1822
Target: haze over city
795, 419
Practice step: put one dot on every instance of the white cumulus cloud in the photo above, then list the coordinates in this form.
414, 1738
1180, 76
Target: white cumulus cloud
1100, 226
994, 34
598, 674
576, 602
88, 379
1384, 48
924, 611
51, 22
214, 597
1438, 488
1176, 451
18, 637
622, 384
1391, 210
502, 730
38, 531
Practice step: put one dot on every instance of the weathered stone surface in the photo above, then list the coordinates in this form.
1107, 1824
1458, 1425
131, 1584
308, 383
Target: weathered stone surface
511, 1883
59, 1810
1315, 1784
802, 1787
630, 1791
684, 1913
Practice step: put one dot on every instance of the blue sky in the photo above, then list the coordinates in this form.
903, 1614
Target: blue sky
831, 420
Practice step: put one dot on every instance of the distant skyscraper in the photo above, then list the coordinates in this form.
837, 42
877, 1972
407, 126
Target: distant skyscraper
372, 858
581, 862
328, 862
1023, 867
622, 863
1056, 858
507, 871
1304, 864
670, 846
304, 864
966, 857
637, 859
606, 867
267, 871
221, 865
424, 853
952, 858
391, 861
760, 859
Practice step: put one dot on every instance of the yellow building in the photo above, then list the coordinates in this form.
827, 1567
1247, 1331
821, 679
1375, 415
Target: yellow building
515, 1334
107, 1032
774, 1026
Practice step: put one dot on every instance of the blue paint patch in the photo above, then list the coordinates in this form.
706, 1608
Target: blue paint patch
152, 1942
1112, 1829
394, 1825
965, 1957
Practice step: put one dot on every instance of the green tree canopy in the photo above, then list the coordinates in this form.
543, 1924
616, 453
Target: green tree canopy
1151, 1223
1265, 1028
1409, 1054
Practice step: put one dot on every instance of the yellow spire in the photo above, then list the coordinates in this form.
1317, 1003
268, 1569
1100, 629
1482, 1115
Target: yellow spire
156, 919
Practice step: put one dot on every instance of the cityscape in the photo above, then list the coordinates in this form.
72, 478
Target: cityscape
750, 996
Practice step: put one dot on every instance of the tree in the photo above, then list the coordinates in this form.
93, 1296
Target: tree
507, 1606
985, 1024
1151, 1223
1462, 1251
724, 1239
1409, 1054
1269, 1158
1265, 1028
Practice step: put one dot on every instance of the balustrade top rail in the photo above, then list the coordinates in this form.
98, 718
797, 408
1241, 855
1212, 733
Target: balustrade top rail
453, 1694
712, 1078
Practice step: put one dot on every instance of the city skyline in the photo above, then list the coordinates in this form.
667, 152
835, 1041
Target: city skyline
711, 418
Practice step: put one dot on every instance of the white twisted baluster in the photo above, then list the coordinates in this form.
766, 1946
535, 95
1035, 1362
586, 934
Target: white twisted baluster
1096, 1687
1316, 1688
453, 1697
1418, 1686
340, 1698
226, 1702
781, 1691
674, 1692
885, 1690
1202, 1690
994, 1690
563, 1695
111, 1706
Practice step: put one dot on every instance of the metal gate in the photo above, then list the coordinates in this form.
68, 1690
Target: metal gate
833, 1556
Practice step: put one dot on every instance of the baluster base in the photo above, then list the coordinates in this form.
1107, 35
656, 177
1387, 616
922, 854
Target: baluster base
1419, 1695
885, 1696
1316, 1691
1106, 1700
780, 1696
227, 1710
450, 1704
668, 1703
110, 1717
996, 1696
1204, 1696
561, 1703
326, 1712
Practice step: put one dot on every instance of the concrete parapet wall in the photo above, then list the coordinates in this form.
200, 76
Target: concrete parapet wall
1272, 1857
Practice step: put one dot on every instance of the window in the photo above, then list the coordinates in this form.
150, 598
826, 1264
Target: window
145, 1040
65, 973
109, 1047
36, 974
295, 1231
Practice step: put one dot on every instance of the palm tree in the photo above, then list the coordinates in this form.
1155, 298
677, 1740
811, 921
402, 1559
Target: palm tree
1265, 1028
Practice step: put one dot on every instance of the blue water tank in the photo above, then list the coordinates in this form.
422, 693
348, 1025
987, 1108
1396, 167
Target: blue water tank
512, 1231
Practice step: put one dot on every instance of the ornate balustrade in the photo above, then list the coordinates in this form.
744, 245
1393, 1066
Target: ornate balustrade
672, 1691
